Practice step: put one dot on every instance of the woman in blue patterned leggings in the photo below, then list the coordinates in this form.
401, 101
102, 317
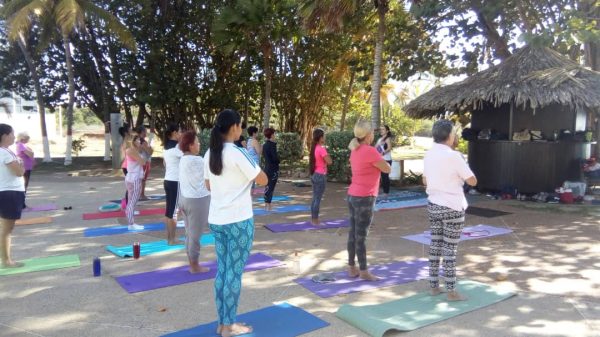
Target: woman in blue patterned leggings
230, 173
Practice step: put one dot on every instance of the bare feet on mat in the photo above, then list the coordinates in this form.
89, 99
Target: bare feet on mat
235, 329
435, 291
353, 271
365, 275
219, 329
12, 264
196, 269
175, 242
454, 296
316, 222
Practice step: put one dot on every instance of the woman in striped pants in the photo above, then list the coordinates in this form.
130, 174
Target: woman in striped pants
445, 174
133, 179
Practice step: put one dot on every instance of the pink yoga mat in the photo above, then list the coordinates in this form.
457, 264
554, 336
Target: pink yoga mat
391, 274
468, 233
306, 225
162, 278
41, 208
121, 214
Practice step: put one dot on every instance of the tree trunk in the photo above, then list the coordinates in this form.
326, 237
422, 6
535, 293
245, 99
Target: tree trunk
376, 85
347, 100
39, 96
71, 102
141, 114
491, 33
267, 100
592, 60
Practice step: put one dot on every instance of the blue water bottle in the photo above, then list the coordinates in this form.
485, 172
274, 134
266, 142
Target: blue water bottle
97, 267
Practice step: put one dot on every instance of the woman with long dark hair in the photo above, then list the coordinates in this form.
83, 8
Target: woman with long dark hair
171, 157
230, 173
12, 194
271, 166
384, 147
318, 161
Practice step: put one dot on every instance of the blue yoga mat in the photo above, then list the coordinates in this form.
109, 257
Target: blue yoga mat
120, 229
283, 209
155, 247
281, 320
276, 198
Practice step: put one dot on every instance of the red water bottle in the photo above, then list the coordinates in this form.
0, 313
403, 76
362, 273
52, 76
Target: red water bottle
136, 250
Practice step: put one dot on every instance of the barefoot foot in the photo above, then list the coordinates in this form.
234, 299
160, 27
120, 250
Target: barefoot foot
12, 264
198, 269
236, 329
435, 291
454, 296
353, 271
365, 275
175, 242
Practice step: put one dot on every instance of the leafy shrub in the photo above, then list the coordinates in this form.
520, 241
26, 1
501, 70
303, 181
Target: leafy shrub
77, 145
337, 143
289, 146
204, 139
463, 146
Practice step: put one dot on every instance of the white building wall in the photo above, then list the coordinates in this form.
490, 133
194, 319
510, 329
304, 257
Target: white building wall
25, 117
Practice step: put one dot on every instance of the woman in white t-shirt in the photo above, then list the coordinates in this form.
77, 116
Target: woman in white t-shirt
384, 146
194, 198
230, 173
171, 157
445, 172
12, 194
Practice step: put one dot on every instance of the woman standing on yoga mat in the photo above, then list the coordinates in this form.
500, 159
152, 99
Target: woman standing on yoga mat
445, 172
194, 198
366, 164
253, 145
384, 146
124, 131
271, 166
133, 179
26, 154
230, 173
171, 157
12, 194
318, 161
145, 150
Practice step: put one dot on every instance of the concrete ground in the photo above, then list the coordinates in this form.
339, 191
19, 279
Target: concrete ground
552, 260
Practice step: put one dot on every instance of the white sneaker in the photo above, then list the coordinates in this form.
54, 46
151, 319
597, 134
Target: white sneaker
135, 227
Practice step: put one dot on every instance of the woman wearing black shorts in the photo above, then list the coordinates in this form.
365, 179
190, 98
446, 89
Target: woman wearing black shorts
172, 155
12, 194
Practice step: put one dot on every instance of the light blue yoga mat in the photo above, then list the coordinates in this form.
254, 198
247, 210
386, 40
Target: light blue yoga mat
409, 203
282, 209
420, 310
276, 198
122, 229
155, 247
281, 320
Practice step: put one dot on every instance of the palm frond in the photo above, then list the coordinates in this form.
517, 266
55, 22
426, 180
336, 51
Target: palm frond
113, 24
68, 15
21, 16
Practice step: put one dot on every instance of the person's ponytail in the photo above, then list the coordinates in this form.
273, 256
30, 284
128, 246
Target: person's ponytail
225, 120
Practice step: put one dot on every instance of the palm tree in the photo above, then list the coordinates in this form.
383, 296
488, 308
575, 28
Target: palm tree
254, 24
329, 14
67, 17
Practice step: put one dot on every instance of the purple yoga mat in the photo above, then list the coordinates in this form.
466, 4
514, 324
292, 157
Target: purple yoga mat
468, 233
391, 274
306, 225
41, 208
162, 278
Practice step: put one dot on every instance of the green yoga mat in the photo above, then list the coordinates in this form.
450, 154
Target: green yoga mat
420, 310
43, 263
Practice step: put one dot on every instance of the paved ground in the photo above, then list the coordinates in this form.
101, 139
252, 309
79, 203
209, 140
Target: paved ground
552, 260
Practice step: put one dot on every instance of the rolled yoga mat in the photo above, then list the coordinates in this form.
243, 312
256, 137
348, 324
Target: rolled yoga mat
162, 278
306, 225
41, 208
34, 221
393, 205
485, 212
420, 310
121, 214
122, 229
468, 233
43, 263
281, 320
391, 274
282, 209
155, 247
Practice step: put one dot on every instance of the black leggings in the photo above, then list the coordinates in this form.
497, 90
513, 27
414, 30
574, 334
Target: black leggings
273, 176
26, 176
385, 180
126, 194
171, 188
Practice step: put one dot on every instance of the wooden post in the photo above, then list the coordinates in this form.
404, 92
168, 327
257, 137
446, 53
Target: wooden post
510, 120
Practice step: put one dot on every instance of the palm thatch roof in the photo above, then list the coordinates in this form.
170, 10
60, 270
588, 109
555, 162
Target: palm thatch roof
533, 76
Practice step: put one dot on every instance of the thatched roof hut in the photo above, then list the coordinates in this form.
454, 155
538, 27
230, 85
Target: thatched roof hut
533, 77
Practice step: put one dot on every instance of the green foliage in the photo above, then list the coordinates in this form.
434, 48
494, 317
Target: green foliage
289, 146
78, 145
204, 139
412, 178
337, 146
400, 124
83, 117
463, 146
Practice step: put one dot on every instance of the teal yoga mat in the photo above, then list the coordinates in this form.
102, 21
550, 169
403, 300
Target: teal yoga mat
155, 247
420, 310
43, 263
